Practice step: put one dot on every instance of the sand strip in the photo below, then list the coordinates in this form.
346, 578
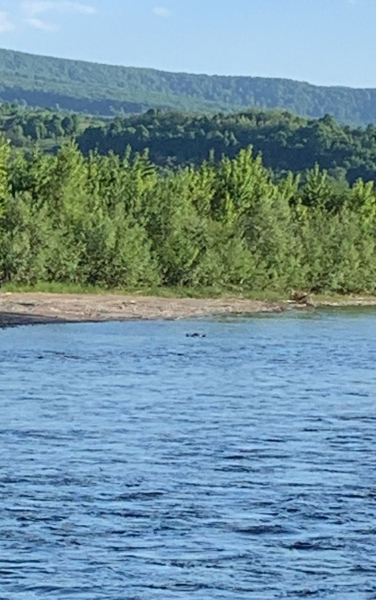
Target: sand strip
34, 308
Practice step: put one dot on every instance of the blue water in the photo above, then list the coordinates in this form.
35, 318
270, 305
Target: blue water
137, 463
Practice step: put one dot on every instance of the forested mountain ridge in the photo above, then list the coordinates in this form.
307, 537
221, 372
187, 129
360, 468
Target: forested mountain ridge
104, 89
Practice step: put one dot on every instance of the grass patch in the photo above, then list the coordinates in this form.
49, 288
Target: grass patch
162, 292
52, 288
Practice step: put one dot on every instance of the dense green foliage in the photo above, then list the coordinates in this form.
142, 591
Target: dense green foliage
25, 126
105, 90
287, 142
121, 222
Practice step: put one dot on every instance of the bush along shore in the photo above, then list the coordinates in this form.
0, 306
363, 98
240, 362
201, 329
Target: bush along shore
121, 222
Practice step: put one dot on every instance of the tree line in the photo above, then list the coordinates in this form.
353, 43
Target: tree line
24, 126
122, 222
286, 141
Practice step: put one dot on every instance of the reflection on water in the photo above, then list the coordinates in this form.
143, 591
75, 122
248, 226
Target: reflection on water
138, 463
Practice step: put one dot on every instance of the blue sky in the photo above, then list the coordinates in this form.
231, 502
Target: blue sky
330, 42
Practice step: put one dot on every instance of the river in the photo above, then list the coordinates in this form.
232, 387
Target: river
140, 464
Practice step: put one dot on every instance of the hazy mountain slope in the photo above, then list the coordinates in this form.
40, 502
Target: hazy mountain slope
103, 89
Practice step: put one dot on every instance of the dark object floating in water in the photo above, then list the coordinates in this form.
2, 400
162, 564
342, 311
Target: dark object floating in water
195, 335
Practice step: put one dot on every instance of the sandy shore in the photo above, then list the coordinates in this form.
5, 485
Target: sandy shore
33, 308
27, 309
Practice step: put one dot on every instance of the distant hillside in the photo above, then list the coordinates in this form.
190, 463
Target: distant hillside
173, 139
287, 142
102, 89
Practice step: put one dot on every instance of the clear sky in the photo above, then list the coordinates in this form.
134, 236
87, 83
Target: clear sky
330, 42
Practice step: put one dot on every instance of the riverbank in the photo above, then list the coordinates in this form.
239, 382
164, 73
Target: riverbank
33, 308
43, 308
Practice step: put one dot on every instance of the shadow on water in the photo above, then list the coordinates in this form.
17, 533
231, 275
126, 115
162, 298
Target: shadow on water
14, 319
303, 313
